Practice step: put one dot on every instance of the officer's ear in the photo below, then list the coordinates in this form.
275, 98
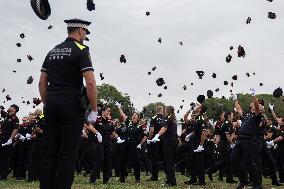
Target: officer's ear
81, 31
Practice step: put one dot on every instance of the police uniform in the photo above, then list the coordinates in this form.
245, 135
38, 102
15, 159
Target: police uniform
101, 152
224, 152
280, 154
268, 159
34, 167
10, 123
155, 149
198, 165
169, 147
64, 66
23, 160
246, 149
133, 135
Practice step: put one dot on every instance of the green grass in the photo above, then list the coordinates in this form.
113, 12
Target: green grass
81, 182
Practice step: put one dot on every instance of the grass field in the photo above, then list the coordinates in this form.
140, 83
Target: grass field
81, 182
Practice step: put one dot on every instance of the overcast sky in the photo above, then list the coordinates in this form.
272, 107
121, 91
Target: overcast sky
207, 29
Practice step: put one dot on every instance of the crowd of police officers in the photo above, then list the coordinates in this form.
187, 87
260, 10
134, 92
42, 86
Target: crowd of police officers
248, 146
50, 146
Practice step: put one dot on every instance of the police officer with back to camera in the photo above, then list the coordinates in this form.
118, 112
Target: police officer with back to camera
60, 85
245, 150
169, 134
156, 124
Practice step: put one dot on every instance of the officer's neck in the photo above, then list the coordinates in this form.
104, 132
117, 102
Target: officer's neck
75, 37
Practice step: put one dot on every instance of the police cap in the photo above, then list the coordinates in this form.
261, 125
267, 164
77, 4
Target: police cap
78, 23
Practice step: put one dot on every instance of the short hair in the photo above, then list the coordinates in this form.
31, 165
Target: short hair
72, 29
159, 108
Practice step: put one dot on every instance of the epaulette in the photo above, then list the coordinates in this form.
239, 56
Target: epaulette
154, 117
80, 46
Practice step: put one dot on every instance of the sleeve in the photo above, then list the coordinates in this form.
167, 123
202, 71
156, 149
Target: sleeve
152, 122
85, 61
226, 128
217, 130
16, 124
44, 67
143, 131
112, 128
118, 131
166, 123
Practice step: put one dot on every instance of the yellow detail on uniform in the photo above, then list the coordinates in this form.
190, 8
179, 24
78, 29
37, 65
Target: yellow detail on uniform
81, 47
41, 116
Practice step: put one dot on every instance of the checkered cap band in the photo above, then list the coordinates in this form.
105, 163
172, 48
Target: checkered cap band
77, 25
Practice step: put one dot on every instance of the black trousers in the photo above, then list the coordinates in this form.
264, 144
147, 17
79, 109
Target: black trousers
224, 163
197, 166
24, 158
129, 154
5, 160
101, 158
183, 153
34, 167
143, 158
280, 162
243, 156
154, 150
170, 144
64, 123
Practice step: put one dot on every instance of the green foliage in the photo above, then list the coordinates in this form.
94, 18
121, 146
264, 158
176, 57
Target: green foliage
151, 109
109, 95
216, 105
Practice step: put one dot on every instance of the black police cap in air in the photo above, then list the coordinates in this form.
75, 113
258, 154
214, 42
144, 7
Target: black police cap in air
201, 99
209, 94
160, 82
122, 59
200, 74
229, 58
271, 15
30, 80
278, 92
91, 5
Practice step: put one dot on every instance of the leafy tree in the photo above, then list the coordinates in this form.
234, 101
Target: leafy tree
150, 109
109, 95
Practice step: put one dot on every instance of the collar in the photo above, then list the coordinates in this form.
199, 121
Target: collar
71, 39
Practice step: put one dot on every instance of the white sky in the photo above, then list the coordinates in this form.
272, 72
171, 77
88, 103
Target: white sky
207, 28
